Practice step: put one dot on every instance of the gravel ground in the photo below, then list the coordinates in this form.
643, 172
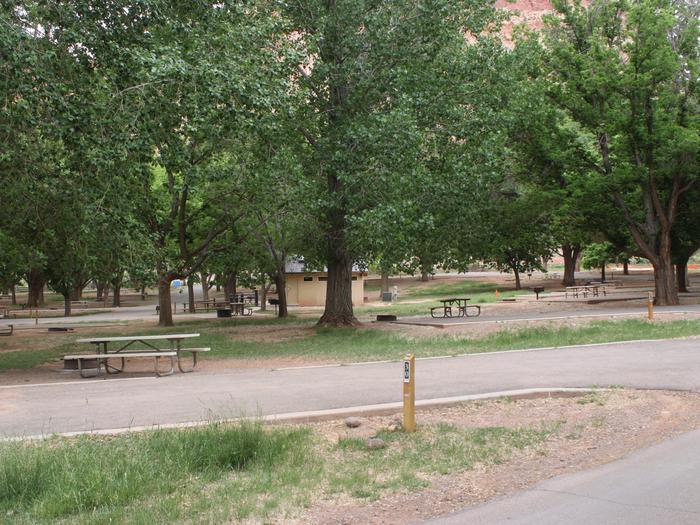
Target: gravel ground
595, 429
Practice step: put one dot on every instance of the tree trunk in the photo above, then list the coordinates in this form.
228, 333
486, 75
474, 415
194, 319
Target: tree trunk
204, 277
517, 276
625, 267
143, 293
682, 276
424, 276
338, 310
13, 291
67, 298
384, 284
100, 288
664, 282
105, 293
230, 285
77, 292
35, 295
165, 308
602, 273
570, 252
116, 296
190, 295
281, 285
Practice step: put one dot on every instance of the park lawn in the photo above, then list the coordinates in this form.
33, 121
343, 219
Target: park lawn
367, 344
223, 472
452, 289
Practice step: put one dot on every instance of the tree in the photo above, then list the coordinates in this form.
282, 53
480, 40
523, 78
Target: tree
626, 74
370, 64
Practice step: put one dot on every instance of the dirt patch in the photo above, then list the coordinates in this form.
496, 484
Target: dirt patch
592, 430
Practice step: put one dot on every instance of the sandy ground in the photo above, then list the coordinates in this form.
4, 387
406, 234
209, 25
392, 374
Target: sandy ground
595, 429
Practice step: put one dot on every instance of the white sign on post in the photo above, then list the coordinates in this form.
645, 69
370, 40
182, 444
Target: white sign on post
407, 371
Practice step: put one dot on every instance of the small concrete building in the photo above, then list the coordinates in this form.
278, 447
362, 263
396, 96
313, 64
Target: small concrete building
308, 288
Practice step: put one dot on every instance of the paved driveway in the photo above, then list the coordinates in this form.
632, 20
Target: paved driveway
92, 404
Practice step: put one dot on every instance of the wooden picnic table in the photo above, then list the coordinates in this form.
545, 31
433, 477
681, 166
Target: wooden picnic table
593, 289
462, 308
115, 347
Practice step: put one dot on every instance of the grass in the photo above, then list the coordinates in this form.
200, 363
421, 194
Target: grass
364, 344
465, 287
223, 472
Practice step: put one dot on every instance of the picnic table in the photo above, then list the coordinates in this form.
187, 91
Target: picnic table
116, 347
448, 308
593, 289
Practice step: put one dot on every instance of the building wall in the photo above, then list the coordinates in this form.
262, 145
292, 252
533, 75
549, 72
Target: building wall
309, 289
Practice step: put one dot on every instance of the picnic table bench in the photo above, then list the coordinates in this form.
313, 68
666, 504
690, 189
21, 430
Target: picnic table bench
449, 305
79, 303
105, 353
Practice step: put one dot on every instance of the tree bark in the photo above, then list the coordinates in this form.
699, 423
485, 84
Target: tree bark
384, 284
682, 276
570, 252
35, 295
190, 295
281, 285
230, 285
517, 277
67, 298
338, 310
100, 288
13, 291
664, 282
165, 308
602, 272
424, 276
77, 292
625, 267
204, 277
116, 296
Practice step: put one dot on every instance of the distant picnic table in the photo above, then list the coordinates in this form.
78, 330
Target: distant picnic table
455, 307
585, 290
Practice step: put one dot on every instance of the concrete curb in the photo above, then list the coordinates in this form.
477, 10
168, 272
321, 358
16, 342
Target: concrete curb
311, 416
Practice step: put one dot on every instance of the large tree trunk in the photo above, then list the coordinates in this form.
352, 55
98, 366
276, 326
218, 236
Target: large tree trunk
77, 292
338, 310
281, 285
230, 285
384, 284
570, 252
664, 282
625, 267
35, 295
682, 275
205, 285
67, 298
165, 308
190, 295
517, 276
602, 273
117, 285
100, 288
13, 291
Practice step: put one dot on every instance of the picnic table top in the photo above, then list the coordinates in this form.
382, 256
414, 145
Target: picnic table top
579, 286
454, 300
173, 337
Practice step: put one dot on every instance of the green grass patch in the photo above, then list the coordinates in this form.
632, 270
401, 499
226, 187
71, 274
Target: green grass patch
366, 344
445, 290
222, 472
123, 478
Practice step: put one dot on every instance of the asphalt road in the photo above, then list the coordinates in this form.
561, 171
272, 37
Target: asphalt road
91, 404
654, 486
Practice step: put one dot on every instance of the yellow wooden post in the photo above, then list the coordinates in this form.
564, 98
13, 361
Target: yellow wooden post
409, 393
650, 306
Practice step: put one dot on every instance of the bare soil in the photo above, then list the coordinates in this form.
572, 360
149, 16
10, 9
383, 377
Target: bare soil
595, 429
